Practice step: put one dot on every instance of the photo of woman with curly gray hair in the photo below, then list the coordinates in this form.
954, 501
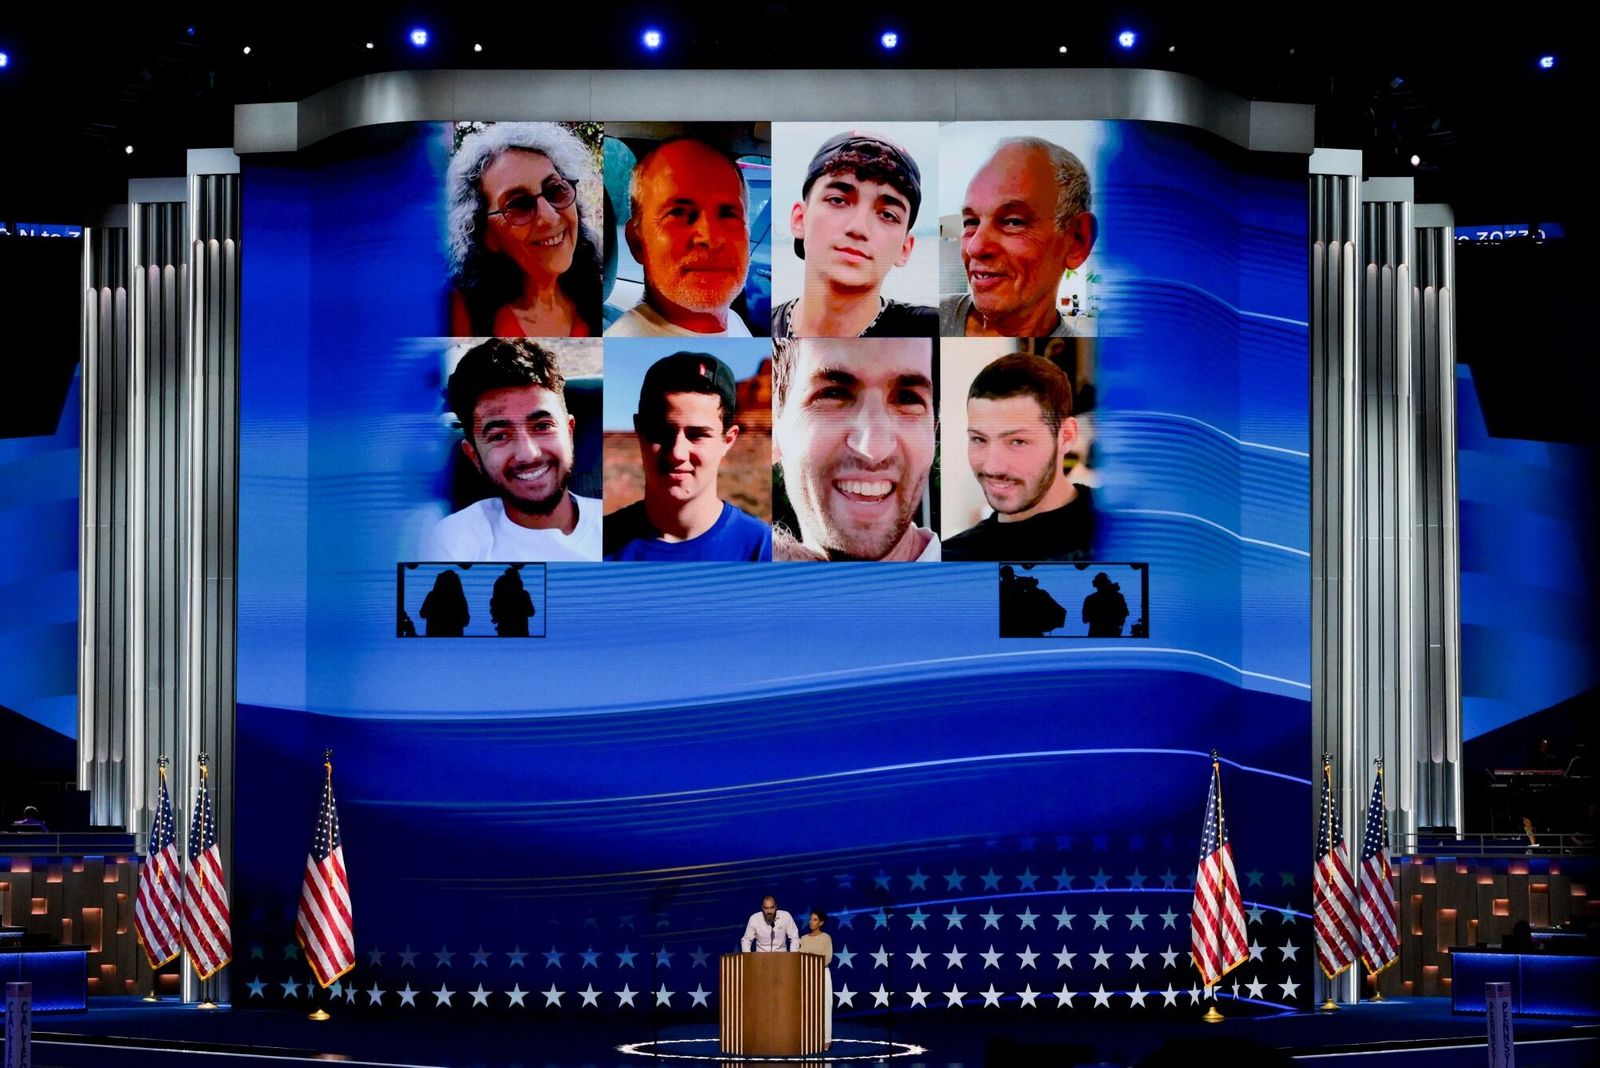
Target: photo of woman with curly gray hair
525, 255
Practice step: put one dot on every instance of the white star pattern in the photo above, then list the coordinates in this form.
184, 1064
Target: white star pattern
1064, 997
880, 996
1064, 919
1289, 949
1102, 997
1136, 958
1028, 997
1169, 996
991, 959
1027, 916
517, 995
954, 958
664, 996
1102, 959
1136, 919
442, 996
700, 995
553, 996
625, 996
1028, 956
480, 996
408, 996
991, 997
918, 996
953, 997
1136, 996
590, 996
844, 996
919, 959
1289, 987
1064, 958
1101, 919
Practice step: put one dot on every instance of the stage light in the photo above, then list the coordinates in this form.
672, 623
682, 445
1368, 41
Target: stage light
1062, 50
370, 46
1127, 39
1396, 82
5, 60
1416, 161
419, 38
477, 48
890, 40
127, 150
247, 50
1172, 48
651, 39
188, 31
1547, 62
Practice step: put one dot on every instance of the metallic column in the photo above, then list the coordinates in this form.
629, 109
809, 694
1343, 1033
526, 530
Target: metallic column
160, 455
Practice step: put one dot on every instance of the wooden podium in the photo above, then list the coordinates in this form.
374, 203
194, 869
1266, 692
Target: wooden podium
772, 1004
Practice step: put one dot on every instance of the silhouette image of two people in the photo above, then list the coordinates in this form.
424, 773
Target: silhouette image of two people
1027, 611
445, 611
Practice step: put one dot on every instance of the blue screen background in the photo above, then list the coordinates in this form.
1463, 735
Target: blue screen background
689, 737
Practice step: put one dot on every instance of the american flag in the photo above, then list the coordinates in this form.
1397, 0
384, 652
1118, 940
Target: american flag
1333, 894
1380, 915
156, 908
206, 933
323, 925
1216, 921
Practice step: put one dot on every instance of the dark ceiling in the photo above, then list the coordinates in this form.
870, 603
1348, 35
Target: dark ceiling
1464, 94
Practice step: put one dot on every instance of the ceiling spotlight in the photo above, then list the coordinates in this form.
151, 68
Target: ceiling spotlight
1396, 82
1127, 39
127, 150
1062, 50
419, 38
5, 60
890, 40
1416, 161
370, 46
188, 31
1172, 48
1547, 62
247, 50
477, 48
651, 39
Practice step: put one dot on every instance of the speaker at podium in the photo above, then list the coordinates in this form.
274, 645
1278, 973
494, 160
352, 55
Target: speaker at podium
773, 1004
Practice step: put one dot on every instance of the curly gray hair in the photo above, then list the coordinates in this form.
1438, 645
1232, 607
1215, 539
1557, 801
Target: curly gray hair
464, 201
1072, 178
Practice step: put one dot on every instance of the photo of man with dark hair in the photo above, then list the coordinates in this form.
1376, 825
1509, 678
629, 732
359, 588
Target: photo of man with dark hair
517, 432
1019, 429
852, 226
686, 423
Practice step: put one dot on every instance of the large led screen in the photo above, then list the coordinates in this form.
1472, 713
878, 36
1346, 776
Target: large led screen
887, 518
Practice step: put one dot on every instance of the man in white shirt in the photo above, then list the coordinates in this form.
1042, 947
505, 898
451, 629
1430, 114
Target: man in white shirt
507, 392
771, 930
688, 231
853, 438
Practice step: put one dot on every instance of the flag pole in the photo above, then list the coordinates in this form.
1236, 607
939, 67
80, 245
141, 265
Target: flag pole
321, 1014
1383, 793
1328, 1005
1212, 1015
205, 983
161, 764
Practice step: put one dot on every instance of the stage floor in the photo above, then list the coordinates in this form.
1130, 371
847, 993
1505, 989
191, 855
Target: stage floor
128, 1033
